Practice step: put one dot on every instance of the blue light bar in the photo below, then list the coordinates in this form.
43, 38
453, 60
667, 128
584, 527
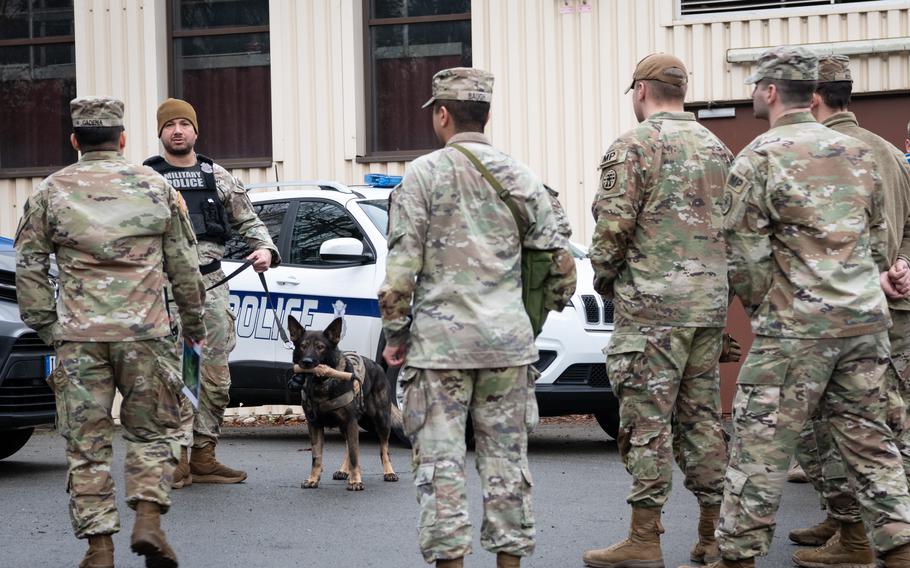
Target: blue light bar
381, 180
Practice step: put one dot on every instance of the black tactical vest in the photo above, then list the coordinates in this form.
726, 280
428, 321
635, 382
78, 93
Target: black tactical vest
207, 213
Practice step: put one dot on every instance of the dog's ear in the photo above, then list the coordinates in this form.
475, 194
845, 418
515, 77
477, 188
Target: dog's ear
333, 332
295, 329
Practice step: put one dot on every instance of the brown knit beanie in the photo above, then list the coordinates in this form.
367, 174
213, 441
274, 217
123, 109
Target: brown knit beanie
176, 108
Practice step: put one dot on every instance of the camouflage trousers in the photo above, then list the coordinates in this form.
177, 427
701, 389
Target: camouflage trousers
84, 382
504, 410
818, 452
668, 383
202, 426
781, 384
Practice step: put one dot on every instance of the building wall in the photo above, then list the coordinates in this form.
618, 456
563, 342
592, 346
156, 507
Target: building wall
561, 67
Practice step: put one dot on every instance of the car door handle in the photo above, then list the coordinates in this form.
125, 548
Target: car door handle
289, 281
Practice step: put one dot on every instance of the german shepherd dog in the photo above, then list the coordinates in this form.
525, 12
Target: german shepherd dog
327, 402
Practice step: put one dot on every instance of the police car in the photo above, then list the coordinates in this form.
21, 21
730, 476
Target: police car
332, 240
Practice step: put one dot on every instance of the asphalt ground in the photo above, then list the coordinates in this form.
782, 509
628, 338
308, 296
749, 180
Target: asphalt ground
580, 487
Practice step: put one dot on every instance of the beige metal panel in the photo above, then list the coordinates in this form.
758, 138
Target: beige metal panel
13, 195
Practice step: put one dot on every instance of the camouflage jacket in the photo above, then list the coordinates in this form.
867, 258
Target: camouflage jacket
243, 220
452, 291
118, 230
658, 247
895, 173
805, 228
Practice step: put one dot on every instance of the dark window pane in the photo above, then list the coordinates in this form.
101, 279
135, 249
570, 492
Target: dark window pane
315, 223
416, 8
227, 80
378, 212
201, 14
23, 19
36, 86
272, 214
405, 58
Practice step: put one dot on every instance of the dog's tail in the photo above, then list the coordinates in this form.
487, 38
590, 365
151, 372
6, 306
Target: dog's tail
397, 421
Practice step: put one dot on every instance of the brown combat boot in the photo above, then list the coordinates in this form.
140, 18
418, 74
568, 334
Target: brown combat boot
725, 563
100, 552
847, 549
450, 563
206, 469
706, 549
817, 535
148, 538
506, 560
898, 557
641, 549
182, 475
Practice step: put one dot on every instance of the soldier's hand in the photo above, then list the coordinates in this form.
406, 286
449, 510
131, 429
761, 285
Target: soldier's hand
731, 352
888, 288
395, 356
899, 275
262, 259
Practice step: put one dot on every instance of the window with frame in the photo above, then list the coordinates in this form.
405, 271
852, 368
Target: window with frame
220, 62
701, 7
37, 82
407, 42
315, 223
272, 215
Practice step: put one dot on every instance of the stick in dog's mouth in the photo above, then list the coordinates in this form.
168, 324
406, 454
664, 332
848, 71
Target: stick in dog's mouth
324, 371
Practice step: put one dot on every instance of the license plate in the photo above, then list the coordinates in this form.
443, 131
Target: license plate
50, 362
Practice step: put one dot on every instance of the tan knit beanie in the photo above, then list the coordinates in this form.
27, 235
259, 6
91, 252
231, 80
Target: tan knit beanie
176, 108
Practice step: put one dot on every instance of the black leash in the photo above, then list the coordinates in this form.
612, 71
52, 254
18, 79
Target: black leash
268, 298
239, 269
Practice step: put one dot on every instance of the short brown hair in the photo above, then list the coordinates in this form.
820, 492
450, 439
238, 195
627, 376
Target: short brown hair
792, 93
469, 116
836, 94
664, 92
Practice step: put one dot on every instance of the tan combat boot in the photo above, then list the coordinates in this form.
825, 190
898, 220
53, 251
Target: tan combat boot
817, 535
706, 548
724, 563
641, 549
100, 552
506, 560
898, 557
206, 469
148, 538
182, 475
847, 549
450, 563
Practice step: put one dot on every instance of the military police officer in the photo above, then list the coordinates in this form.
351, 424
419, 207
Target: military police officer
829, 106
805, 227
217, 203
119, 232
452, 308
658, 251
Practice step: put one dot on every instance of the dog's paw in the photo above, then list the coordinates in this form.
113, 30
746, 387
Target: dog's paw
390, 477
309, 484
340, 475
355, 486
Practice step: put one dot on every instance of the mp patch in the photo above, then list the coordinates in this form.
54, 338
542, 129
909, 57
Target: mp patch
612, 157
736, 182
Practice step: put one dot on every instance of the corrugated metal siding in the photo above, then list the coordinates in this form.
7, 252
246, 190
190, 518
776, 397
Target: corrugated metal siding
560, 77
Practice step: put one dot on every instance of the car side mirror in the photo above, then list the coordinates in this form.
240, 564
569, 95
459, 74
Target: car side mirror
345, 249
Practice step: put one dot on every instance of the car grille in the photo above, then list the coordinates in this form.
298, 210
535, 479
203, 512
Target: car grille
23, 388
7, 286
590, 374
593, 313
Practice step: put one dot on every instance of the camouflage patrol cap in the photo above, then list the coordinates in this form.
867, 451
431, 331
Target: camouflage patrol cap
833, 68
788, 62
96, 112
462, 84
661, 67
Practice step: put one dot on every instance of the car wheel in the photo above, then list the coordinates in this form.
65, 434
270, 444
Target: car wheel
12, 441
609, 422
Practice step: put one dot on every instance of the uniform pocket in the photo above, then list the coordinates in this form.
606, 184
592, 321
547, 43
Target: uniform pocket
643, 464
527, 512
532, 413
58, 381
426, 493
624, 359
764, 369
414, 414
167, 409
231, 338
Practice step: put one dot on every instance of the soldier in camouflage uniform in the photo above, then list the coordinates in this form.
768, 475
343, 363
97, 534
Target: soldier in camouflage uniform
119, 233
805, 227
658, 252
829, 105
217, 203
452, 307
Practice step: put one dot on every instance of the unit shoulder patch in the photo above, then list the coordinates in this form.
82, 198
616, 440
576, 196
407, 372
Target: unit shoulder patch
737, 183
613, 156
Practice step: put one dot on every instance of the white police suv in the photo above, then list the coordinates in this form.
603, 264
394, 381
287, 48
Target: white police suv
332, 240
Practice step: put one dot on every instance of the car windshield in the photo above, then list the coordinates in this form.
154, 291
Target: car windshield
378, 212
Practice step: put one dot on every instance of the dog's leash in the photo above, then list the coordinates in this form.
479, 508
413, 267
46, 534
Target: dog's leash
268, 298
